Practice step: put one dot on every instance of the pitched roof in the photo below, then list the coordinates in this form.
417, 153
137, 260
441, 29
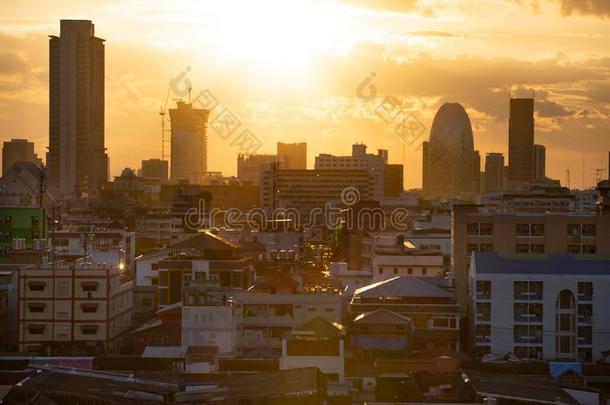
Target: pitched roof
546, 263
205, 241
518, 388
403, 286
381, 317
319, 326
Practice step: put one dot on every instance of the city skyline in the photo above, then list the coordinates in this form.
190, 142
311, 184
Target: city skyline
282, 96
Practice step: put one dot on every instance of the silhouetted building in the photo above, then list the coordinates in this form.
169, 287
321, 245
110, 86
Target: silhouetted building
359, 160
77, 158
476, 172
448, 156
539, 163
521, 140
154, 169
189, 142
249, 166
18, 150
294, 154
494, 172
392, 180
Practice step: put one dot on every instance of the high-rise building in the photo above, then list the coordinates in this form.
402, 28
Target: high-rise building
359, 160
448, 156
392, 180
494, 172
539, 173
189, 142
155, 169
18, 150
294, 154
476, 172
77, 159
521, 140
249, 166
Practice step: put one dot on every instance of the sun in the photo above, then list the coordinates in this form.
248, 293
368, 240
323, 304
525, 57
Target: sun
279, 36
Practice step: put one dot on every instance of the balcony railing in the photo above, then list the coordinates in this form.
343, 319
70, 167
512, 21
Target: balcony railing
528, 339
528, 318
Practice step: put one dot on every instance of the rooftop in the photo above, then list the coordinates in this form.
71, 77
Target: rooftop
544, 263
403, 286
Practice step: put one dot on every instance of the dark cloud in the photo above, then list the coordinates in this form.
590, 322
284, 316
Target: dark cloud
548, 108
599, 8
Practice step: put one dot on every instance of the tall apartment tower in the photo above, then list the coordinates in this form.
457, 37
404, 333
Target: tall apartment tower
77, 159
494, 172
539, 172
521, 140
189, 143
293, 154
18, 150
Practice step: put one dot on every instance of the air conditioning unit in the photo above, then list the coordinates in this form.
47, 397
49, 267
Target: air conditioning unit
40, 244
18, 244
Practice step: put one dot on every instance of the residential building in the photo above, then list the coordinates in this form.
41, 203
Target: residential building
540, 307
380, 334
9, 300
304, 190
208, 318
18, 150
82, 309
267, 313
431, 306
77, 159
249, 166
155, 169
294, 154
163, 330
359, 160
22, 228
521, 141
475, 229
189, 142
317, 342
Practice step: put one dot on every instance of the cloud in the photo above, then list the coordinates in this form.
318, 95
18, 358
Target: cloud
600, 8
11, 63
548, 108
390, 5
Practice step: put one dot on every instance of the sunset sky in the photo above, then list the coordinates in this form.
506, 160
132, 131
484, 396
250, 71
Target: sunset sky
290, 70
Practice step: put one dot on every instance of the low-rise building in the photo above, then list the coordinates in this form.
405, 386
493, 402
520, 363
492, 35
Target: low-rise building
540, 307
83, 308
432, 308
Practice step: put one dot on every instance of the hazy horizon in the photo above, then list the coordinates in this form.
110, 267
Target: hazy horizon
290, 71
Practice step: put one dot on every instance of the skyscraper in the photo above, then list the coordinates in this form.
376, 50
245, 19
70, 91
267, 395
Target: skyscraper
77, 159
18, 150
494, 172
294, 154
539, 165
521, 140
449, 156
189, 142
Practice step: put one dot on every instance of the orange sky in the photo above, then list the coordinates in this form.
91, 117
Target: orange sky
290, 70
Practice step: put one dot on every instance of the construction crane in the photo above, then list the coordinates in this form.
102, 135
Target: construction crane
162, 113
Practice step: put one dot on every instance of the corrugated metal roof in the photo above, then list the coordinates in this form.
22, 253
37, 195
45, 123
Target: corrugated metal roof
403, 286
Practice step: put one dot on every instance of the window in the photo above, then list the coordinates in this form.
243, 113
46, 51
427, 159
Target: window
36, 306
89, 286
486, 229
585, 291
395, 270
565, 344
566, 300
37, 285
537, 248
424, 271
88, 329
36, 329
440, 323
89, 308
565, 322
410, 270
522, 248
483, 289
380, 270
588, 229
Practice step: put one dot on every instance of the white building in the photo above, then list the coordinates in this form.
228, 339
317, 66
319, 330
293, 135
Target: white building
540, 307
359, 160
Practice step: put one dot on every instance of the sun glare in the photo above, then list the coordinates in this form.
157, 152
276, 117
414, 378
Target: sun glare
281, 36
